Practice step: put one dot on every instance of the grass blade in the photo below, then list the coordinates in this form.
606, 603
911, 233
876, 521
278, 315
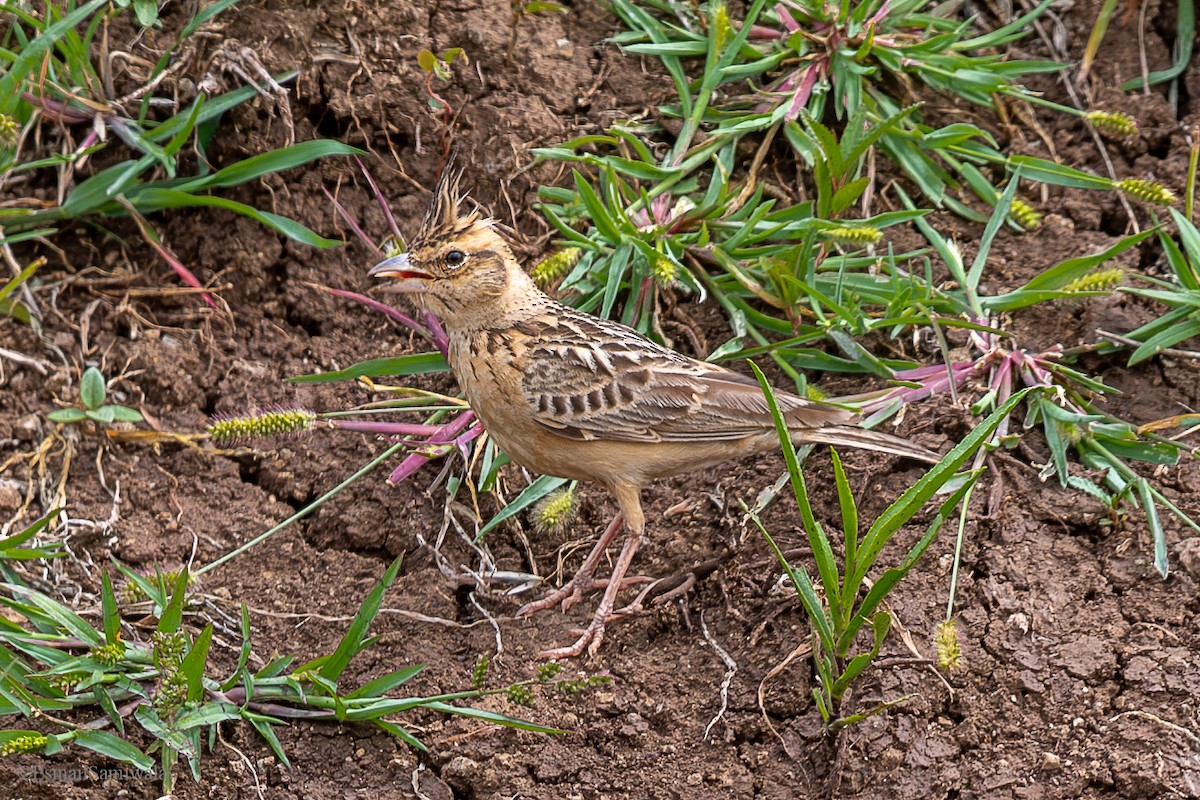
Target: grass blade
351, 643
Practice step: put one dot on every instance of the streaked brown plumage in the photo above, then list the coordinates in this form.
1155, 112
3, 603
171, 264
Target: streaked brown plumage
568, 394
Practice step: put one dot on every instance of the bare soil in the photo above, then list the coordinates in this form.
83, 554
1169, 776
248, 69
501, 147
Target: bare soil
1081, 676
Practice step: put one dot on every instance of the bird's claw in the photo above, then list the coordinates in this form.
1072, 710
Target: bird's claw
568, 595
590, 640
571, 593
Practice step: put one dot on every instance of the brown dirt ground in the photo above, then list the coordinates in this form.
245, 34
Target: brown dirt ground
1081, 676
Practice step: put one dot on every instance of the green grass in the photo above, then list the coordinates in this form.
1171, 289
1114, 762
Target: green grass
127, 685
59, 122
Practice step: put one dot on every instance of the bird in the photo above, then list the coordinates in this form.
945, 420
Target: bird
571, 395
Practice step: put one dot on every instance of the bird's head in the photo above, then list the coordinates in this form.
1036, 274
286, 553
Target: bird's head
458, 266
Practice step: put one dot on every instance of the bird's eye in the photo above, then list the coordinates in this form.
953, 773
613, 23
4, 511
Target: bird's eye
454, 259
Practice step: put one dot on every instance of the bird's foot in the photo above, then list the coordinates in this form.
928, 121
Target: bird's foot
593, 634
572, 592
590, 640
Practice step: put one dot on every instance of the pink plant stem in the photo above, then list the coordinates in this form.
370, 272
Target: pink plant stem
56, 109
379, 198
760, 32
1002, 380
150, 236
385, 428
382, 308
354, 226
804, 92
448, 434
786, 19
437, 333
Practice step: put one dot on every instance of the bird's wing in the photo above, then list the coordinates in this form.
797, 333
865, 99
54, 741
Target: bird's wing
591, 379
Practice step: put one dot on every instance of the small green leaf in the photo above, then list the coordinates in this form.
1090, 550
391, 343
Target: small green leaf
193, 664
207, 714
267, 731
108, 706
386, 683
146, 12
351, 643
541, 486
92, 389
172, 615
104, 415
62, 616
113, 746
491, 716
125, 414
67, 415
108, 605
18, 539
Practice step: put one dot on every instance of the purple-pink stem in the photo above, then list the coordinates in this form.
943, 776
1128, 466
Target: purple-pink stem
449, 435
150, 236
354, 226
437, 333
428, 327
57, 110
385, 428
786, 19
761, 32
800, 85
379, 198
1005, 366
431, 327
382, 308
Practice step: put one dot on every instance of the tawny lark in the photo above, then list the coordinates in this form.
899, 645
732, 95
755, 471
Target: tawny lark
568, 394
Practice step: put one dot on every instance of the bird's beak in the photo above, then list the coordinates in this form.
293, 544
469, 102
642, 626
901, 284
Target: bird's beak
409, 278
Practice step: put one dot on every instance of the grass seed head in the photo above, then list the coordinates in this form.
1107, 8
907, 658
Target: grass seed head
520, 694
1113, 123
1025, 215
66, 682
664, 270
228, 431
480, 671
555, 266
556, 511
854, 235
1098, 280
10, 131
722, 28
23, 744
1149, 192
169, 651
109, 654
945, 639
577, 685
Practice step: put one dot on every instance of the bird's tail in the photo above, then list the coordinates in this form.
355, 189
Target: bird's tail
852, 436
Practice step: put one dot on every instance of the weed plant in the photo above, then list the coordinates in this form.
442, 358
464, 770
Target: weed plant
845, 598
159, 684
60, 119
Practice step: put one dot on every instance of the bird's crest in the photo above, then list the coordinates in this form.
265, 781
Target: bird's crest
446, 218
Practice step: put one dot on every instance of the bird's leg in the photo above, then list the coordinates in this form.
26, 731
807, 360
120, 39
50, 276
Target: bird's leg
593, 635
572, 591
631, 510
